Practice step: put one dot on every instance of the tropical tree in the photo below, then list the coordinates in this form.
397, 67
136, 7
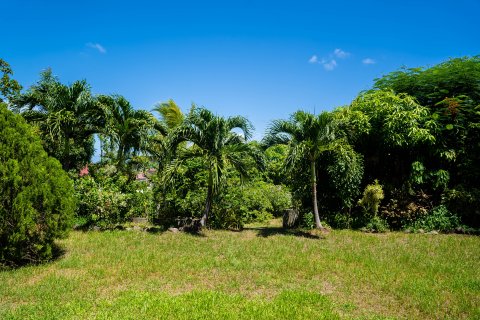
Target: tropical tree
171, 116
8, 87
127, 129
451, 93
212, 139
66, 116
170, 113
308, 136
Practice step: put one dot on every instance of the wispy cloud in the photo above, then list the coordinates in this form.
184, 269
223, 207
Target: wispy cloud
97, 46
313, 59
339, 53
329, 65
368, 61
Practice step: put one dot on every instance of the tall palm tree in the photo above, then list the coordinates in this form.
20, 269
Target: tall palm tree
171, 114
307, 136
67, 117
212, 138
171, 117
128, 129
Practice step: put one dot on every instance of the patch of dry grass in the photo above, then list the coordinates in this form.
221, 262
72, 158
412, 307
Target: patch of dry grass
257, 273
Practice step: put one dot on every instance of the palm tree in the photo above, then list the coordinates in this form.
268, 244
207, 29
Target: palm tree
128, 129
212, 138
67, 117
171, 114
307, 136
171, 117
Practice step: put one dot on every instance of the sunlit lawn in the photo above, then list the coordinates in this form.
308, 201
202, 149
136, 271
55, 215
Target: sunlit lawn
253, 274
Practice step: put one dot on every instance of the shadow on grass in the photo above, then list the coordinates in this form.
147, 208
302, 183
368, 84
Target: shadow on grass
266, 232
58, 252
195, 233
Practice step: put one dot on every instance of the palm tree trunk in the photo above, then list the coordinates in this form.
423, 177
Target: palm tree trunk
66, 154
318, 224
208, 205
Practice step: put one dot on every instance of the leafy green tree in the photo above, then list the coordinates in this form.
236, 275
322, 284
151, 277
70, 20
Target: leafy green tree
398, 129
452, 78
66, 116
451, 92
212, 139
308, 136
275, 158
36, 195
8, 87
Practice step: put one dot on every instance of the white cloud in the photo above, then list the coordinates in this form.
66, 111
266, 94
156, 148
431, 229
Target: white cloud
339, 53
329, 65
368, 61
313, 59
97, 46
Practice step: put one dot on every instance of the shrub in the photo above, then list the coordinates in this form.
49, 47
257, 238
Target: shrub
101, 204
465, 203
36, 195
307, 220
403, 208
279, 196
372, 195
249, 203
439, 219
141, 200
376, 224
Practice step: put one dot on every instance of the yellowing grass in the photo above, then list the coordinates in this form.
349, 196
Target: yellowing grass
253, 274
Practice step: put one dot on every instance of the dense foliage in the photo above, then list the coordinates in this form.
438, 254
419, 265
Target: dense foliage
36, 195
414, 134
66, 118
448, 168
218, 147
107, 198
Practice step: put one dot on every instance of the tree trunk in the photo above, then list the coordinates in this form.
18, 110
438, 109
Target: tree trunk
290, 218
318, 224
208, 205
66, 154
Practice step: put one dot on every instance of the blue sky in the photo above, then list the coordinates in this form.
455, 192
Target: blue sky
260, 59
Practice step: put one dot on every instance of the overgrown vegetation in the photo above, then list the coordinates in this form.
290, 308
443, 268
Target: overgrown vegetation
416, 131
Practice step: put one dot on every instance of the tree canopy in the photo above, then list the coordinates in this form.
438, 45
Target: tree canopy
36, 195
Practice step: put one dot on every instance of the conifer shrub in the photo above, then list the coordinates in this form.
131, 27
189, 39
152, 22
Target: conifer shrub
372, 195
36, 195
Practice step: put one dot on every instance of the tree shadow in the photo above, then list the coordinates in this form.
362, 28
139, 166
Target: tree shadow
58, 252
266, 232
195, 233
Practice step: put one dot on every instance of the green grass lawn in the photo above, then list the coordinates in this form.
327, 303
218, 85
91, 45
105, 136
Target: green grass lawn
253, 274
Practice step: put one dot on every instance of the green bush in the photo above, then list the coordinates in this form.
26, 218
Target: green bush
243, 204
141, 200
107, 197
36, 195
465, 203
439, 219
279, 196
101, 204
404, 208
254, 202
307, 220
376, 224
372, 195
